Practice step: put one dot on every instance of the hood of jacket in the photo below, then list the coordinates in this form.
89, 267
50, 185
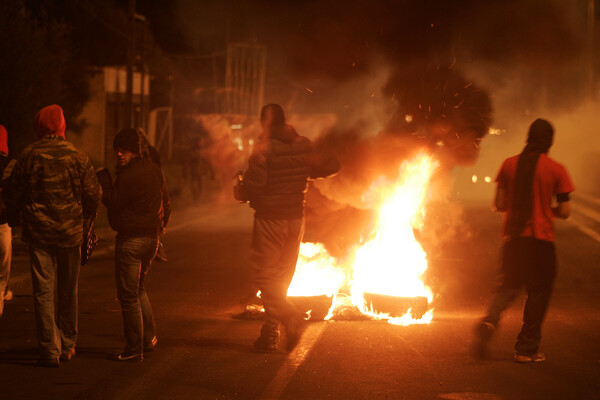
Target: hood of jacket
285, 133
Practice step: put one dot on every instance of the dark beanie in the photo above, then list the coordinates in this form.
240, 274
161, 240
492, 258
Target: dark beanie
540, 136
128, 139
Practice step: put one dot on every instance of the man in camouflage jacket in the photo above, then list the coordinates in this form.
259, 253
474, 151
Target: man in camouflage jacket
52, 189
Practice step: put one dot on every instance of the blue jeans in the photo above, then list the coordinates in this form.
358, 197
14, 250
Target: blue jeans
133, 256
52, 266
5, 259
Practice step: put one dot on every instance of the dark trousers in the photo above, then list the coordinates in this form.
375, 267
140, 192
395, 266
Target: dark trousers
133, 256
274, 253
529, 263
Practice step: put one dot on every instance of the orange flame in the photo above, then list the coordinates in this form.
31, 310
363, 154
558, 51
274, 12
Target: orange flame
316, 273
392, 261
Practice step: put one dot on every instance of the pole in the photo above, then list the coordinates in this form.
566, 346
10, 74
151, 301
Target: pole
130, 62
590, 47
142, 68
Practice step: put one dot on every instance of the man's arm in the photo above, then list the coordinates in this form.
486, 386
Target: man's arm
115, 197
14, 188
255, 177
563, 209
166, 202
324, 166
500, 202
564, 186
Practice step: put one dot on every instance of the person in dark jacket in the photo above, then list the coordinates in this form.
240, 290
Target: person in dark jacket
139, 210
275, 184
5, 230
53, 189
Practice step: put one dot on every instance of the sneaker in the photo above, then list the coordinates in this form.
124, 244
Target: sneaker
151, 345
48, 362
67, 356
537, 357
484, 332
8, 295
126, 356
267, 341
294, 328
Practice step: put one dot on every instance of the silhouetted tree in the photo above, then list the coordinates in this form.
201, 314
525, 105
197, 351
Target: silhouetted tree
37, 68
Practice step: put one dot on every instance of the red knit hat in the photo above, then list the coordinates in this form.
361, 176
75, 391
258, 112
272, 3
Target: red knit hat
50, 121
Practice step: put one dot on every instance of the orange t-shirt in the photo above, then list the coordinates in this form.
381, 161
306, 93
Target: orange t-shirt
550, 179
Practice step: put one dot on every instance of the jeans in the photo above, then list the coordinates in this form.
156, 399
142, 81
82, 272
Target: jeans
133, 256
5, 260
274, 253
529, 263
50, 267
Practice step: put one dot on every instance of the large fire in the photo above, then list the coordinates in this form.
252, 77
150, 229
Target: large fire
390, 262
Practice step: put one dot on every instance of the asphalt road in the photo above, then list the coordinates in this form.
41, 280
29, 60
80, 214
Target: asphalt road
205, 353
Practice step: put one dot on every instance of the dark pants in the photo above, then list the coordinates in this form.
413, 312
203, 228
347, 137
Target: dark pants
5, 261
55, 267
133, 256
529, 263
275, 246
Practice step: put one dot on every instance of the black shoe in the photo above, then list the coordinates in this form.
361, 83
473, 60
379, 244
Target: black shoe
126, 356
294, 328
48, 362
267, 341
484, 332
68, 355
151, 345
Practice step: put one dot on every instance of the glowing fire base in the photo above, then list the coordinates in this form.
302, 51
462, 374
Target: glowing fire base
316, 306
397, 306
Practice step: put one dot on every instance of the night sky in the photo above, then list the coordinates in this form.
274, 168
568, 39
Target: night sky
335, 38
322, 44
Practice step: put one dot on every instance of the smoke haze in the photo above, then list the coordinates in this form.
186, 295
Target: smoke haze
390, 77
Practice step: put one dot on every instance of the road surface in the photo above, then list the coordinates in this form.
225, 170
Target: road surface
205, 353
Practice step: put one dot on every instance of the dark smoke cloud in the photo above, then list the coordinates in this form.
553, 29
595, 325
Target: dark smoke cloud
439, 106
403, 75
432, 108
326, 42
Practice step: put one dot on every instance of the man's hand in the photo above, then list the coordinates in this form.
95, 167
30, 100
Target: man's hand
562, 210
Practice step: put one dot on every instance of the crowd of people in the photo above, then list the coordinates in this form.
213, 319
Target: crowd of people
52, 192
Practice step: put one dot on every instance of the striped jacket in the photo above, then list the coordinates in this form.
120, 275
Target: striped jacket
52, 188
278, 172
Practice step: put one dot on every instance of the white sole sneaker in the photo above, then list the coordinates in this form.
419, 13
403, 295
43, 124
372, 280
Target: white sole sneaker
538, 357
